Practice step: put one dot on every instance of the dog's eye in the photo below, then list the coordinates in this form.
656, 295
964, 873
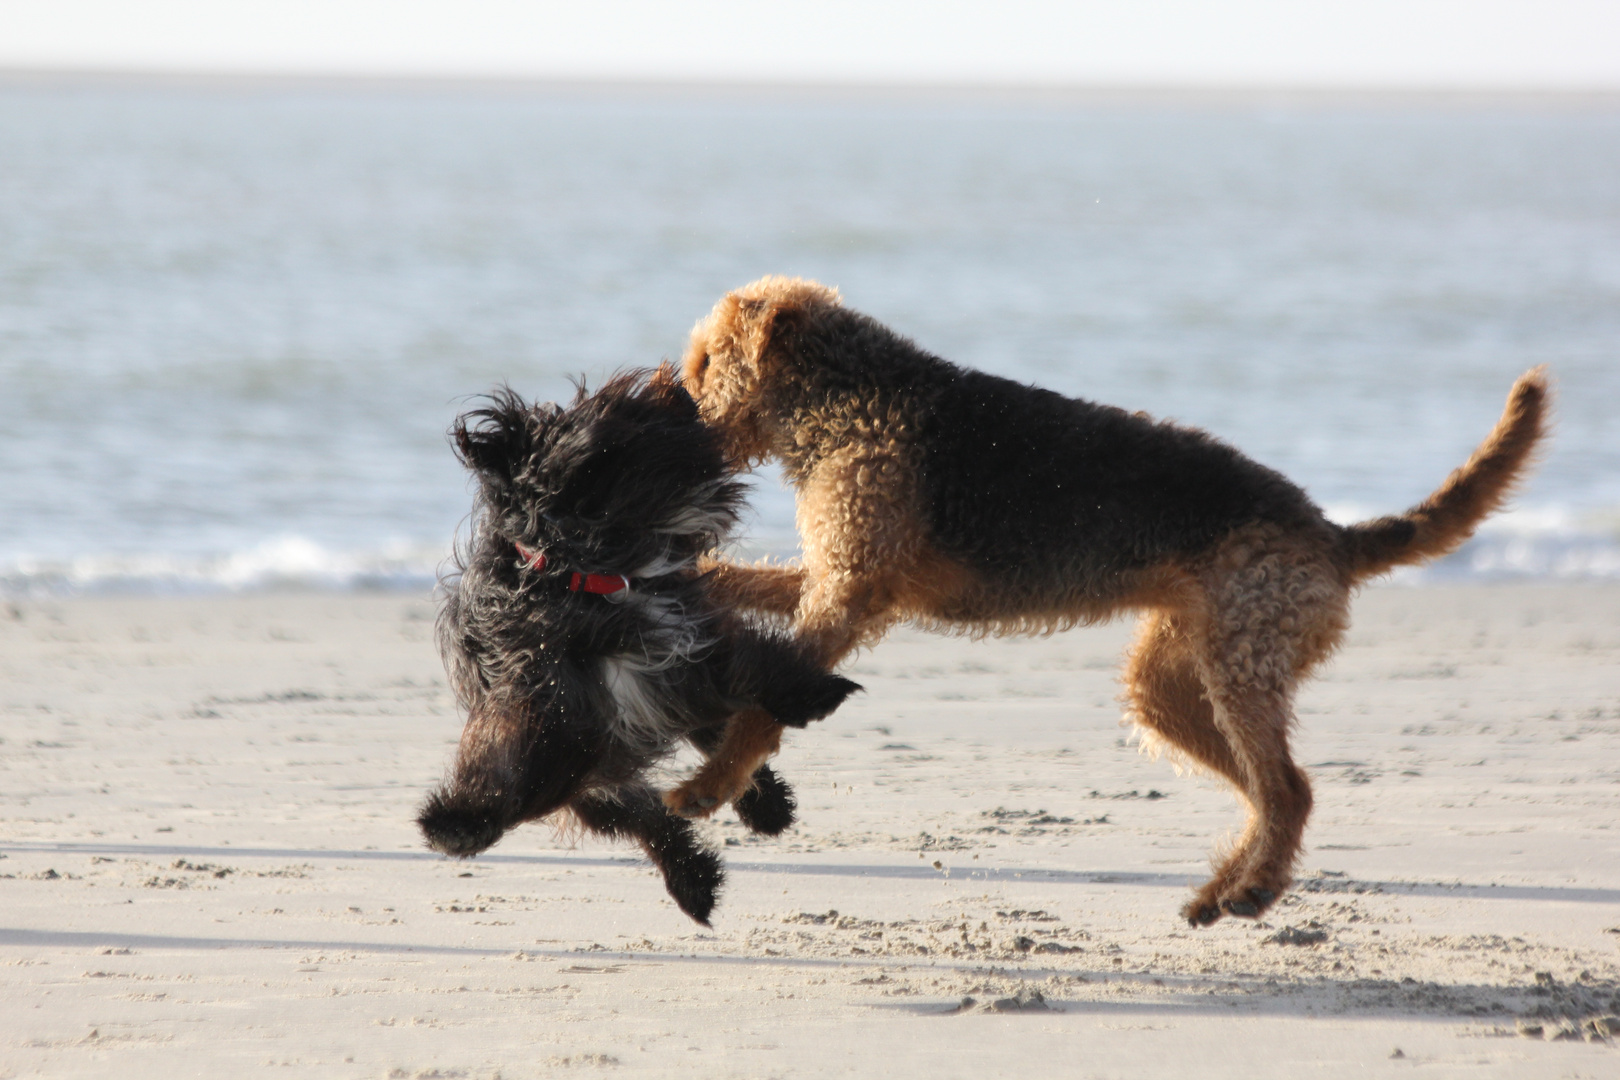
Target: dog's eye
703, 364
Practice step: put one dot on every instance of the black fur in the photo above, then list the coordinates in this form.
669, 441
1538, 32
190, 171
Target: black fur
1137, 489
767, 807
570, 696
692, 872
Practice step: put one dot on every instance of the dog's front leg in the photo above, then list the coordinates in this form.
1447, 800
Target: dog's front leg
797, 687
692, 873
752, 736
771, 590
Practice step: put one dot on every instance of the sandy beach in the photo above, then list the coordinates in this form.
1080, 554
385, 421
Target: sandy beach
210, 867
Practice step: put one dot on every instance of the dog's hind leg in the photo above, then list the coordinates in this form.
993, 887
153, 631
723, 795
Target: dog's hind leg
1277, 609
1260, 866
692, 873
1167, 701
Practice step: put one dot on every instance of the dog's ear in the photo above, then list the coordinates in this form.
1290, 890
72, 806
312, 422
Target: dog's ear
492, 441
733, 340
730, 339
732, 366
756, 321
771, 306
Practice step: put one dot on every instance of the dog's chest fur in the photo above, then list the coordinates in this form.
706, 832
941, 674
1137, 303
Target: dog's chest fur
645, 708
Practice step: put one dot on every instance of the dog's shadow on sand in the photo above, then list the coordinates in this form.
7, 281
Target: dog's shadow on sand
898, 871
1138, 994
1067, 989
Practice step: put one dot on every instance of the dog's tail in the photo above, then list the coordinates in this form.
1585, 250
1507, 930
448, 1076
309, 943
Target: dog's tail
1441, 523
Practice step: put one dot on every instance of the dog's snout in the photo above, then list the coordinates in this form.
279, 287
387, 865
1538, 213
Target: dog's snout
694, 370
459, 826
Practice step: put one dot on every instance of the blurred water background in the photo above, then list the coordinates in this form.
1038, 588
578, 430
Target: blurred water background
236, 320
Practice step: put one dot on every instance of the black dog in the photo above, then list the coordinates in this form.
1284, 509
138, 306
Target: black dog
580, 637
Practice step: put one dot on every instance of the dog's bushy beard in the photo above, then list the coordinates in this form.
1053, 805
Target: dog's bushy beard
626, 481
517, 762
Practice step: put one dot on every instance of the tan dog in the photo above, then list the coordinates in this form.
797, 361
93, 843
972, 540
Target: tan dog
969, 503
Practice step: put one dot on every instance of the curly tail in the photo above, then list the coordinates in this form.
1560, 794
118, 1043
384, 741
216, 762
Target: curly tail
1441, 523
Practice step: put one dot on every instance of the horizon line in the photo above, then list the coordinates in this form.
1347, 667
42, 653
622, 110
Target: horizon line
1120, 92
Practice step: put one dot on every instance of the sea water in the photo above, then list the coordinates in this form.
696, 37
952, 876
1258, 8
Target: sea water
237, 319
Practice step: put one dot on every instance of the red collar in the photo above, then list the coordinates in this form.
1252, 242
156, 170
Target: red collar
600, 584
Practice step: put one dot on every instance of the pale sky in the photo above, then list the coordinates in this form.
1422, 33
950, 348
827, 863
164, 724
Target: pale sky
1399, 43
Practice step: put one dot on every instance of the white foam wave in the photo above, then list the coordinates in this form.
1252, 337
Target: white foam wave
277, 563
1531, 543
1498, 553
1527, 542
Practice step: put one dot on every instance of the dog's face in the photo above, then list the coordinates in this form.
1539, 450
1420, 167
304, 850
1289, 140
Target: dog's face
623, 481
729, 362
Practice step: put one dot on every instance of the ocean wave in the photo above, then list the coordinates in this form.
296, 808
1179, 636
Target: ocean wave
1530, 545
1533, 542
1499, 555
285, 562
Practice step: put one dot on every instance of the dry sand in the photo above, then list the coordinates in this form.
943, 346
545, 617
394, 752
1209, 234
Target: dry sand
210, 867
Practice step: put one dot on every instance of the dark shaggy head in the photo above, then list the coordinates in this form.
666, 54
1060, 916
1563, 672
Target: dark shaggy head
625, 480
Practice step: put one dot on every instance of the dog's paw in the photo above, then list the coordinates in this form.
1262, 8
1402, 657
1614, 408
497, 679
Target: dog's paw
705, 793
1249, 905
768, 807
688, 801
1200, 912
830, 695
692, 872
1243, 903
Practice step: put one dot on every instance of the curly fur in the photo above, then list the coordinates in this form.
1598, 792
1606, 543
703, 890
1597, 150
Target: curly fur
961, 501
572, 696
